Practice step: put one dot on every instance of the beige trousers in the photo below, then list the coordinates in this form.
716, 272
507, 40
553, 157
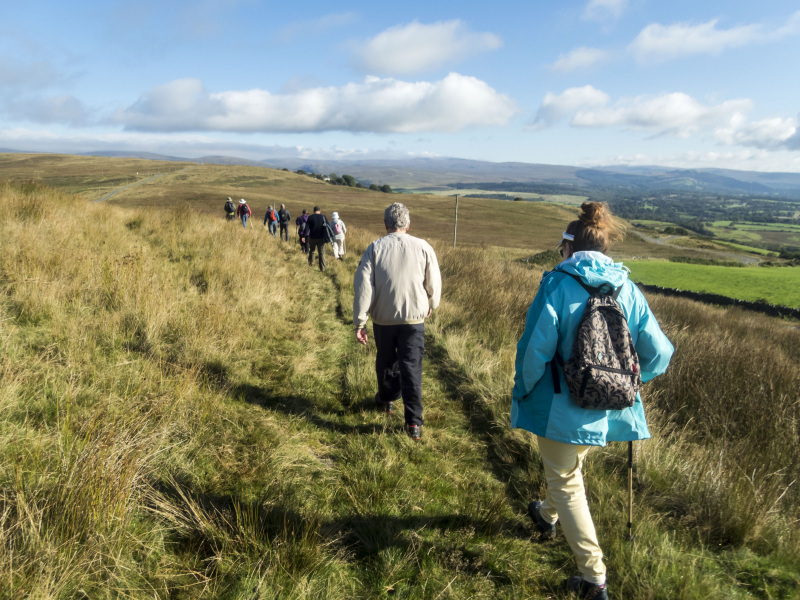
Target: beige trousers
566, 502
338, 248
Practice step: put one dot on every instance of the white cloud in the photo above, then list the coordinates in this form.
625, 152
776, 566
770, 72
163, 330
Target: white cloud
17, 74
418, 47
579, 58
375, 105
192, 146
604, 10
658, 42
744, 160
676, 114
63, 108
766, 134
555, 108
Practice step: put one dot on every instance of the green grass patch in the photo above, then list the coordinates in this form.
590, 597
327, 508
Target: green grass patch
776, 285
750, 249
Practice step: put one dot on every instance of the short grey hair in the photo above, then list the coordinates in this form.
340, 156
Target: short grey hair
396, 216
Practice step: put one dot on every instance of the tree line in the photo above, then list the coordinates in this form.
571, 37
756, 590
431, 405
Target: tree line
347, 180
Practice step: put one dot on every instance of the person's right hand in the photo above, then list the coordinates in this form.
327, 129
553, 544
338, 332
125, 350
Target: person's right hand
361, 336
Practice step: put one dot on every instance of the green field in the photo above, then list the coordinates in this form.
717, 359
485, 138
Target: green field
776, 234
750, 249
776, 285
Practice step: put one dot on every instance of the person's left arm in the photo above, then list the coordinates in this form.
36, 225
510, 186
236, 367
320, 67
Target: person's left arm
433, 280
652, 345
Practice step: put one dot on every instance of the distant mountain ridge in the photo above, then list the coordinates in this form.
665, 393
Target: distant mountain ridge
430, 173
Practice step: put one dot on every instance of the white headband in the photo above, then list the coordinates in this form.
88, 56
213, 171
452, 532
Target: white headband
565, 237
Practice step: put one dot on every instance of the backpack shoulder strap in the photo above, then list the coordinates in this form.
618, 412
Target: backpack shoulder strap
614, 293
556, 362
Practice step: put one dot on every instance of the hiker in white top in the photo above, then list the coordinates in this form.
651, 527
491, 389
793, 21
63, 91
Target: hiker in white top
338, 229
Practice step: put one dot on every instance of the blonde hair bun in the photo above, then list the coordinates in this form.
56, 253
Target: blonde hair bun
594, 214
595, 228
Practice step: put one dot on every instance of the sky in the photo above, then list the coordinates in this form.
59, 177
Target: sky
685, 84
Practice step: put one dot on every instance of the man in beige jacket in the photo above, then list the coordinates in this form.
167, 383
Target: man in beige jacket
398, 284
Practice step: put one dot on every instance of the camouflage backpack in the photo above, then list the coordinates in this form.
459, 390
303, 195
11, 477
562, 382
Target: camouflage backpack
603, 371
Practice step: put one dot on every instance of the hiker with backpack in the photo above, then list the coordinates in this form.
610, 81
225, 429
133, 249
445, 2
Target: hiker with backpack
284, 217
243, 211
590, 339
271, 219
338, 229
230, 210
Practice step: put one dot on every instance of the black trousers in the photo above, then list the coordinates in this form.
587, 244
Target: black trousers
284, 234
398, 366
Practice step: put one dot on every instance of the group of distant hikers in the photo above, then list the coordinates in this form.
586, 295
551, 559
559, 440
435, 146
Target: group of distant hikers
590, 341
314, 230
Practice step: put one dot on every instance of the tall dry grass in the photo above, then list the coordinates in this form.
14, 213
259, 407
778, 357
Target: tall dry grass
134, 344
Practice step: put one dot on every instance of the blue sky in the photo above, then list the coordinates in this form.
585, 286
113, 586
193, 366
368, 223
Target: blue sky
585, 83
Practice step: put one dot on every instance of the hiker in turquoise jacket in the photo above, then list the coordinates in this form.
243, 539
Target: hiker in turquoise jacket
565, 431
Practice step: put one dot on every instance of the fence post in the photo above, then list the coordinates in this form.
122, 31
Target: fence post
455, 223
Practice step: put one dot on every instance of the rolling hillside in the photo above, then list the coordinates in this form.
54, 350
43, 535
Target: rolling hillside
524, 228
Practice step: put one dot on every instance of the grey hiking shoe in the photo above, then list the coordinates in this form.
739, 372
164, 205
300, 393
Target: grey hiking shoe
414, 431
586, 590
546, 530
384, 407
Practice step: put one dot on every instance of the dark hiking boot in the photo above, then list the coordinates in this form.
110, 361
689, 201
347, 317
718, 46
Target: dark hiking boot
414, 431
547, 531
586, 590
384, 407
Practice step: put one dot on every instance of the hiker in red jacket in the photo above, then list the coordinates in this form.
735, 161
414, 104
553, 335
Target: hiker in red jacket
271, 220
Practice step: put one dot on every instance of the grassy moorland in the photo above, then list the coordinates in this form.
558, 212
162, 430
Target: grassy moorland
185, 414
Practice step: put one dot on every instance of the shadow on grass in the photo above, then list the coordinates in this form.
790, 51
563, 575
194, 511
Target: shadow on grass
303, 407
204, 524
508, 458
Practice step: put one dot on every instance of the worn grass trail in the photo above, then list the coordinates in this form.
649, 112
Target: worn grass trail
414, 519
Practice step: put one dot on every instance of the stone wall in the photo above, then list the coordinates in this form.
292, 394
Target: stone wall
762, 307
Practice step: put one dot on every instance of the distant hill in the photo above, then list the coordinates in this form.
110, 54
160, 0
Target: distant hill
418, 174
427, 173
142, 155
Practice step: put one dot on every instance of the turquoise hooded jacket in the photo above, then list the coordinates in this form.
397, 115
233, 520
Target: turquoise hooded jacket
550, 325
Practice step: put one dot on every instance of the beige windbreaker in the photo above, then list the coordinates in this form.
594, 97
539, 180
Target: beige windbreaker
397, 281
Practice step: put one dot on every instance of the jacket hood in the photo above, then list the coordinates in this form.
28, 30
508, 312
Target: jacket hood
595, 269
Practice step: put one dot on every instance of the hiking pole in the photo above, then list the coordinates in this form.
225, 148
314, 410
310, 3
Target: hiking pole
630, 491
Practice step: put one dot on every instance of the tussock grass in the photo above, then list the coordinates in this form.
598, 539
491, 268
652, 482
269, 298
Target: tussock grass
184, 413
